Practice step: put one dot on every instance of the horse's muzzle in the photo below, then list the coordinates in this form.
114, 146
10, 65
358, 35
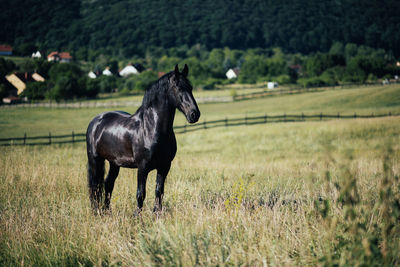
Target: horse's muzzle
193, 116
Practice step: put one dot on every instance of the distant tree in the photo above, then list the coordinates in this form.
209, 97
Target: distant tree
35, 90
6, 66
66, 87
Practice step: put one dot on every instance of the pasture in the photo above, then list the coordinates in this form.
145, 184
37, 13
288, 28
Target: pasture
309, 193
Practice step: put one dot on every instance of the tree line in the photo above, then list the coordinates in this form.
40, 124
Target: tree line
343, 63
125, 28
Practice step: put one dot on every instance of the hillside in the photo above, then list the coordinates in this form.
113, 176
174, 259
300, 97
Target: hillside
130, 27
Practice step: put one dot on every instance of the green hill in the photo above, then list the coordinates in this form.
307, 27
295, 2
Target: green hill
131, 27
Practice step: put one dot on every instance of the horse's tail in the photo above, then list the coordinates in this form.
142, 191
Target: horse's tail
95, 173
95, 178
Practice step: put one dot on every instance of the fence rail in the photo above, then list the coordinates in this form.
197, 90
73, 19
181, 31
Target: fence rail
298, 90
180, 129
201, 100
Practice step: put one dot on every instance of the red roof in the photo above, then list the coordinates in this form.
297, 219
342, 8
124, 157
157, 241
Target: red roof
65, 55
7, 48
62, 55
52, 54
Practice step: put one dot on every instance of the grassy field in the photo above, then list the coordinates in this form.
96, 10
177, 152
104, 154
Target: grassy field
283, 194
14, 122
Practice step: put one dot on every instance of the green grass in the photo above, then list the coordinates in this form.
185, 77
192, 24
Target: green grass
15, 122
246, 195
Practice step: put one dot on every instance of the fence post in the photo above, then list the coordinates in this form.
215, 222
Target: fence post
24, 138
226, 121
320, 116
205, 124
49, 138
302, 116
338, 115
390, 113
355, 115
265, 117
284, 117
245, 120
73, 137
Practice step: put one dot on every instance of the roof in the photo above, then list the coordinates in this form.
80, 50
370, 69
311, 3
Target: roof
62, 55
65, 55
7, 48
37, 77
52, 54
16, 82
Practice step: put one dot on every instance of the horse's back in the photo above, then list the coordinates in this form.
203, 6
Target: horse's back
109, 136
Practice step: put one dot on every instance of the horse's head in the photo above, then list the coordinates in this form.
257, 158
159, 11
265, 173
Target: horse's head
182, 94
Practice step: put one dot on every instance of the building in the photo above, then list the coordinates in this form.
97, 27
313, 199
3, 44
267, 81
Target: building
36, 55
5, 50
272, 85
232, 73
107, 72
63, 57
92, 75
128, 70
19, 80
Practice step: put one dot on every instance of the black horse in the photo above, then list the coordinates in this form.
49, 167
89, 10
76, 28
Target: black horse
144, 140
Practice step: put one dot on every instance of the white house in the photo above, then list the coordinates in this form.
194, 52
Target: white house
92, 75
107, 72
36, 55
232, 73
272, 85
128, 70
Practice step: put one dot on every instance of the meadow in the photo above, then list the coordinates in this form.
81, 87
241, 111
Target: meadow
282, 194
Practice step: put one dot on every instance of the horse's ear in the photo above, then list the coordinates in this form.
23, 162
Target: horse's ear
185, 71
176, 71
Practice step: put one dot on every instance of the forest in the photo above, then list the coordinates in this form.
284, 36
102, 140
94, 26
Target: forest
133, 27
304, 43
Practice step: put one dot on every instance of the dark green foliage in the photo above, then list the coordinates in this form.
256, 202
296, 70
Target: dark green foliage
132, 27
6, 66
139, 83
107, 84
35, 90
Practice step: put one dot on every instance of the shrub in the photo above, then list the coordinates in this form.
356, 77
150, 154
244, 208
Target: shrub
35, 91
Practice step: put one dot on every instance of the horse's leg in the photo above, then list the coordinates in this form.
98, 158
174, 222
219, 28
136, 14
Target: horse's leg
161, 176
95, 181
141, 188
109, 184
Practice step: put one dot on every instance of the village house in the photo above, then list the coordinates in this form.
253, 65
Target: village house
272, 85
19, 80
92, 75
128, 70
232, 73
63, 57
36, 55
5, 50
107, 72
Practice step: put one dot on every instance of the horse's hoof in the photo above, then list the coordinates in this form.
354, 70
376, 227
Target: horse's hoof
137, 212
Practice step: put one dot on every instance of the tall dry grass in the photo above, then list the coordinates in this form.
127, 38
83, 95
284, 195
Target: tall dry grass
318, 193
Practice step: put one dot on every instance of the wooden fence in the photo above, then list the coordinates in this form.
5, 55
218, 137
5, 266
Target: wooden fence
298, 90
201, 100
227, 122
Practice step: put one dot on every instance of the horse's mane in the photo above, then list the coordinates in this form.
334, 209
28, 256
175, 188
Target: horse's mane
159, 87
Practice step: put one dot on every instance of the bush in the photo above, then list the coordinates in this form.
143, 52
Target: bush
210, 83
139, 83
283, 79
311, 82
35, 90
107, 84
